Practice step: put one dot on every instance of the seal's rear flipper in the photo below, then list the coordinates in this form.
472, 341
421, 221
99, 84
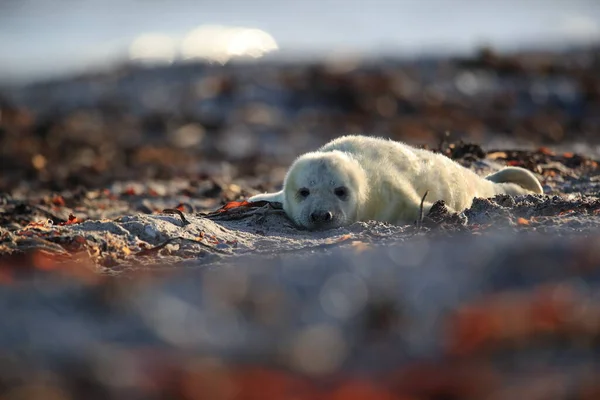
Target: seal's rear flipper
276, 198
517, 176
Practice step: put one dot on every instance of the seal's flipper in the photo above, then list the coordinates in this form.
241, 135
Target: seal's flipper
276, 197
518, 176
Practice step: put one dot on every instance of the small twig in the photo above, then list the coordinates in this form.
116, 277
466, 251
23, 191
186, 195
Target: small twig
155, 249
190, 208
420, 221
184, 221
231, 215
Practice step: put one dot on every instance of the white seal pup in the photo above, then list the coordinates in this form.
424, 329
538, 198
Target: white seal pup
360, 178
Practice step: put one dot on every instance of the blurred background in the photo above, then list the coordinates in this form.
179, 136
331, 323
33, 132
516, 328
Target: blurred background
92, 91
222, 95
42, 38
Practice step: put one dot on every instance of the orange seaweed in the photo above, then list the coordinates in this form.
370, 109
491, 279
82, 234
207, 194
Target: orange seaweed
58, 201
522, 221
234, 204
72, 220
546, 151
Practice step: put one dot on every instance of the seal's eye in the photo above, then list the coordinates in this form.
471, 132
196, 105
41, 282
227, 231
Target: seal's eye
304, 192
341, 192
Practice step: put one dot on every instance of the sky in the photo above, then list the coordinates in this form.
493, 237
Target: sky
40, 38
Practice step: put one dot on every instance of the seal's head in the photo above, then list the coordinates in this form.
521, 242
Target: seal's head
324, 190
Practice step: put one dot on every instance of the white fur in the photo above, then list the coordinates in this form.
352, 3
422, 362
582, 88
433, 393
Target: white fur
385, 181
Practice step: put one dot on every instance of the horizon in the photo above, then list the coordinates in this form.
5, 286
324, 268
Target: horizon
93, 34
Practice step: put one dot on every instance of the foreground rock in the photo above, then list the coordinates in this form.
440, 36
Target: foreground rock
469, 317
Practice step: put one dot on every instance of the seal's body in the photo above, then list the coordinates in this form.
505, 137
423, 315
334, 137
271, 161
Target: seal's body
361, 178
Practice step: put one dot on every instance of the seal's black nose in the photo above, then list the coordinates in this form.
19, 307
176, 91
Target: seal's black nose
321, 216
